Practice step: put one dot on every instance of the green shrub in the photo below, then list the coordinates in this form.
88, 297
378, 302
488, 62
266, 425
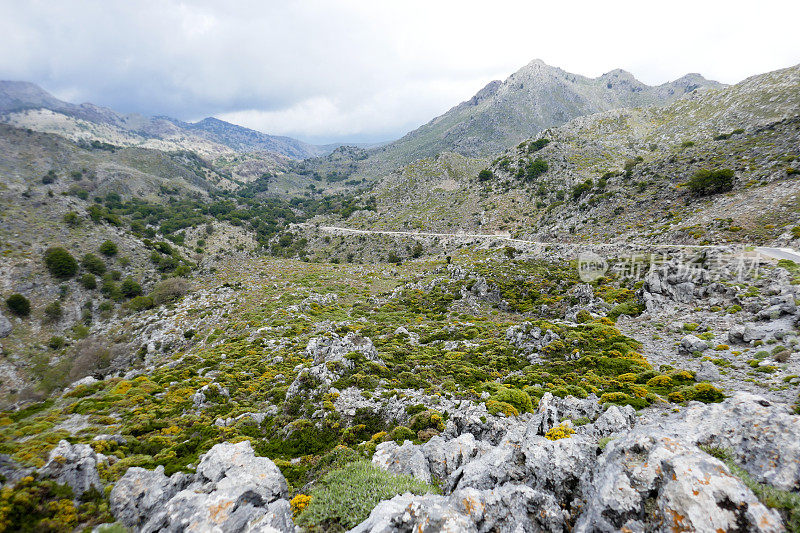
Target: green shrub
535, 146
53, 310
19, 305
95, 265
130, 288
706, 182
140, 303
60, 262
520, 400
108, 248
89, 281
400, 434
71, 219
343, 498
485, 175
535, 168
169, 290
56, 342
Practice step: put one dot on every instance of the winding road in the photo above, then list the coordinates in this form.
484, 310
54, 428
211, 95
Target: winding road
765, 251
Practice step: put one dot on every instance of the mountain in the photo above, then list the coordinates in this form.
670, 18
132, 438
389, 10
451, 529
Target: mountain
536, 97
623, 175
27, 105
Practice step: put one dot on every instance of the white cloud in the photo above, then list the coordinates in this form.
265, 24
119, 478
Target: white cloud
363, 69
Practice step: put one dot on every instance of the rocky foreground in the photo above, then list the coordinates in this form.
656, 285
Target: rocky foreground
663, 471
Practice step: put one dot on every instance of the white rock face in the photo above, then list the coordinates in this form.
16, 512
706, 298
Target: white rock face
232, 490
507, 508
74, 465
650, 477
643, 479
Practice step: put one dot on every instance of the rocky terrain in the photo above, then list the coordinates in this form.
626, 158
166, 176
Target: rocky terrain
188, 343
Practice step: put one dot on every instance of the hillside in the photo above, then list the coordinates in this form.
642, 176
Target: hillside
637, 163
211, 340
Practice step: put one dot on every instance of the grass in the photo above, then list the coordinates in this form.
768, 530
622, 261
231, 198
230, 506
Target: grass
344, 498
787, 503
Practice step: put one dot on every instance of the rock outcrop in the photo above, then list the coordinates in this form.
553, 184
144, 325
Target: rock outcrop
232, 490
649, 477
74, 465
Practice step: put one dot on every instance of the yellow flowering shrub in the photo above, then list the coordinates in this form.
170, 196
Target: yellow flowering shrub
299, 503
559, 432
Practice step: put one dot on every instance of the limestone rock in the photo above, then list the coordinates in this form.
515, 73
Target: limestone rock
647, 482
5, 326
507, 508
405, 459
141, 493
708, 372
74, 465
232, 490
691, 343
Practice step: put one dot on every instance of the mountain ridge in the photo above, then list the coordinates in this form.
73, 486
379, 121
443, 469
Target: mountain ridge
503, 113
20, 98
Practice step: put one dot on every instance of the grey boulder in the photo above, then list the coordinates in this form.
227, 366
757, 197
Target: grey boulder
646, 482
232, 490
74, 465
691, 343
5, 326
506, 508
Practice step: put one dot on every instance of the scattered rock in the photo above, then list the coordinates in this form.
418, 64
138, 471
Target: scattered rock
708, 372
5, 326
74, 465
646, 482
232, 490
691, 343
507, 508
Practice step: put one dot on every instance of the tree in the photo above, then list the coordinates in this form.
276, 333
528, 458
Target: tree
53, 311
706, 182
108, 248
19, 305
60, 263
130, 288
93, 264
71, 219
535, 168
485, 175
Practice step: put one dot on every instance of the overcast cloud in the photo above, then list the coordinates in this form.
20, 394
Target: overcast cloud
354, 70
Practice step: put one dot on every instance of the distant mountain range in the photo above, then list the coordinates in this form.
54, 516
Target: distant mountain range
25, 104
534, 98
503, 113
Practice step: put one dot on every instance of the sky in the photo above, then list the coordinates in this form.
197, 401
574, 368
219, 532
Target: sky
366, 71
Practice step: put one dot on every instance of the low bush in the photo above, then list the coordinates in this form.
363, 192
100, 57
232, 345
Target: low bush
53, 311
60, 262
108, 248
130, 288
19, 305
706, 182
343, 498
139, 303
169, 290
95, 265
89, 281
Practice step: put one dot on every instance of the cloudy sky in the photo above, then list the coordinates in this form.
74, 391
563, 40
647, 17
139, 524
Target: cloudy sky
353, 70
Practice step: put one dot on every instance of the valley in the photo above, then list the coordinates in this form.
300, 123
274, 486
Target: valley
566, 304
